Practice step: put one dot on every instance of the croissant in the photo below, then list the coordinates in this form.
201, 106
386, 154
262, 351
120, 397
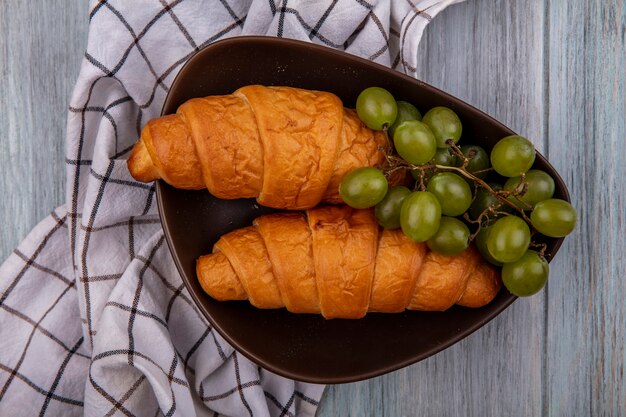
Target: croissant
287, 147
336, 261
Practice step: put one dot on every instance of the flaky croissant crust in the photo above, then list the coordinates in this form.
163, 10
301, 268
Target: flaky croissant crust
336, 261
287, 147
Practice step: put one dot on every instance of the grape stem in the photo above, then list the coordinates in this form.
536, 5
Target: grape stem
542, 247
395, 163
422, 181
483, 218
486, 186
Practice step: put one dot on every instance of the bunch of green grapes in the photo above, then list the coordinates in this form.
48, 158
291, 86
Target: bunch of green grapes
451, 198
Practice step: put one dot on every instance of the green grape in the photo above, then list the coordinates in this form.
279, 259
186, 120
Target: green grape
478, 160
485, 199
406, 112
527, 275
445, 124
554, 217
420, 215
481, 244
512, 156
442, 157
376, 108
363, 187
451, 238
415, 142
508, 239
388, 210
540, 187
452, 191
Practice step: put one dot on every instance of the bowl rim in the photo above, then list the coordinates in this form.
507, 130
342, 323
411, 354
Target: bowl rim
391, 72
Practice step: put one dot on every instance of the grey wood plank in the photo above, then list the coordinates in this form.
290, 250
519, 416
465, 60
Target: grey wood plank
41, 46
490, 54
586, 310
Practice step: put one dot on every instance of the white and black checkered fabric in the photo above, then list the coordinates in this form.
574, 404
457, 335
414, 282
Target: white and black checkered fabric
94, 317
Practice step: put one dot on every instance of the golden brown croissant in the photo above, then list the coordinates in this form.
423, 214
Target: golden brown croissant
336, 261
287, 147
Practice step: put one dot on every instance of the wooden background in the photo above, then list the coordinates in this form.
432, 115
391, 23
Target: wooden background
552, 70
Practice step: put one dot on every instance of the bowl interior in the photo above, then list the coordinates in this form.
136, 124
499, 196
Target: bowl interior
301, 346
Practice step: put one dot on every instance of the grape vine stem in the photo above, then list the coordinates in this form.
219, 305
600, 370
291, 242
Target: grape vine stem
394, 163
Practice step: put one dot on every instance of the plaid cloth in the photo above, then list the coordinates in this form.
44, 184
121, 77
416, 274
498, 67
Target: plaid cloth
95, 318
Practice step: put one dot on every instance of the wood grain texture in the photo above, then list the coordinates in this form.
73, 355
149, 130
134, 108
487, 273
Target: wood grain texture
551, 70
41, 47
586, 131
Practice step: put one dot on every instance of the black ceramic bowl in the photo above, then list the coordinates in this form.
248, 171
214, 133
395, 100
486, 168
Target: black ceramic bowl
302, 346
